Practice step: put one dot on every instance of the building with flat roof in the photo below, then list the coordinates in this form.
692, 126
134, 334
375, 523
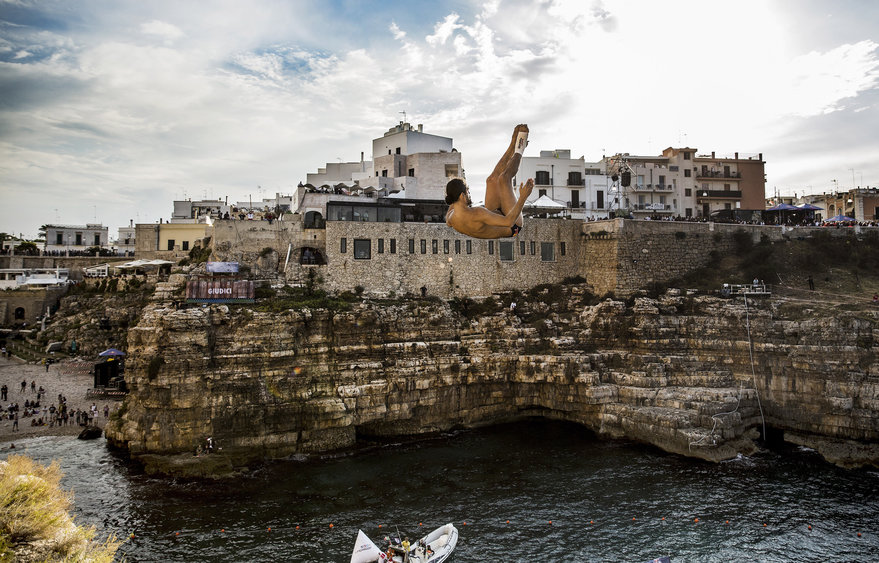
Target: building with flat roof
580, 186
67, 238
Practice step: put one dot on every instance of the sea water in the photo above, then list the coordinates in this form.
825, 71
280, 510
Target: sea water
529, 491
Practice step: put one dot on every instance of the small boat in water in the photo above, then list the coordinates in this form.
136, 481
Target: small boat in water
435, 547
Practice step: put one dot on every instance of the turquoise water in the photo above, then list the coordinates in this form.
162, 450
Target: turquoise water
567, 496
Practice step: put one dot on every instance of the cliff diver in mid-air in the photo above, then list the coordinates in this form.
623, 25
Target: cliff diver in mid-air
502, 214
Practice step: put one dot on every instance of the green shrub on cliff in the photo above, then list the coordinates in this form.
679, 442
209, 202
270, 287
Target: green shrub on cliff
35, 523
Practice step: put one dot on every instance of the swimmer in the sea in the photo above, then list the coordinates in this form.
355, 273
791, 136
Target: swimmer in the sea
502, 214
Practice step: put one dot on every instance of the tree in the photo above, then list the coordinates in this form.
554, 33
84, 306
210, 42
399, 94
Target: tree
28, 248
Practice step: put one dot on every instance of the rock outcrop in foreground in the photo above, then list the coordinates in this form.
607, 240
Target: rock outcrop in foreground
675, 372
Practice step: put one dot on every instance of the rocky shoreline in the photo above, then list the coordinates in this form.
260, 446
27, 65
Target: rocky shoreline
673, 371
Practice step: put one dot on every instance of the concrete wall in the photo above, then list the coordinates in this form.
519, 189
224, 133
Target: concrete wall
33, 301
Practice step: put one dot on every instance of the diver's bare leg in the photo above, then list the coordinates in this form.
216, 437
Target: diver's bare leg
498, 186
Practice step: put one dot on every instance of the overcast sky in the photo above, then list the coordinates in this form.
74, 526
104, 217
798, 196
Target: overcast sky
112, 109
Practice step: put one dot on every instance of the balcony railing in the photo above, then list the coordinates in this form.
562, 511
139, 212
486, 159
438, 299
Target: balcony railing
653, 207
718, 174
719, 194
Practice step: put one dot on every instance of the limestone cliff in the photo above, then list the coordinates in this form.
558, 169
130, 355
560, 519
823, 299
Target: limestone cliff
675, 372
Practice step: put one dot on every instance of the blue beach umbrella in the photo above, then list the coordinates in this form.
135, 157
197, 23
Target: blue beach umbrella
112, 353
839, 219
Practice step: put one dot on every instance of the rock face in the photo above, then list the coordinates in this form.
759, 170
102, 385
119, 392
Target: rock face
696, 375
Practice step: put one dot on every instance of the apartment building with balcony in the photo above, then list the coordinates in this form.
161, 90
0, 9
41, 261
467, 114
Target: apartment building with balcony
75, 238
681, 182
582, 187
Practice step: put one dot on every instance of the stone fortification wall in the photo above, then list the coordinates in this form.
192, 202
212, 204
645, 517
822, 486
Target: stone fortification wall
446, 263
675, 372
246, 242
614, 256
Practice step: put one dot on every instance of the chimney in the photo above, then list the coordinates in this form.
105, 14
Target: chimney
420, 128
760, 156
712, 154
737, 156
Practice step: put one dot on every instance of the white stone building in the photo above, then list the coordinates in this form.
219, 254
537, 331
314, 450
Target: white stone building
64, 238
582, 187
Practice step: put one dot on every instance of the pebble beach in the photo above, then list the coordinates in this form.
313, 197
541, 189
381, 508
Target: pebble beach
69, 378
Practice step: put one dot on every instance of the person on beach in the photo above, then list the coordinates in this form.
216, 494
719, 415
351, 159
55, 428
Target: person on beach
502, 214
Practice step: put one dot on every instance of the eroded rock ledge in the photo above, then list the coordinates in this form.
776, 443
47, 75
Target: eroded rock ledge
675, 372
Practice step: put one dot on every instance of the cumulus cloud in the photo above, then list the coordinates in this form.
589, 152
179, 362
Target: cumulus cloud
146, 101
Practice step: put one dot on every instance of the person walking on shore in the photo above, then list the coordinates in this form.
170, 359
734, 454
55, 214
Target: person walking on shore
4, 392
15, 423
23, 385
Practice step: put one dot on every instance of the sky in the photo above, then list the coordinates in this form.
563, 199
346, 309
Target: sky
112, 109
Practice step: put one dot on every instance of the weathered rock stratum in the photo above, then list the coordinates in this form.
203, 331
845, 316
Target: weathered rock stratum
692, 374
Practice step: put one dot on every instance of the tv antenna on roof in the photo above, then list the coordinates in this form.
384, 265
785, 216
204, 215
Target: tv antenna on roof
404, 115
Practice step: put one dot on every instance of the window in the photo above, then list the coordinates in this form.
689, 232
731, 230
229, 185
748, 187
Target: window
393, 242
491, 247
398, 150
562, 248
445, 246
412, 172
469, 247
185, 244
423, 246
59, 238
170, 244
381, 246
533, 248
411, 246
726, 187
727, 206
599, 199
541, 177
384, 173
575, 179
434, 246
457, 247
687, 172
688, 212
541, 193
362, 249
522, 247
79, 240
547, 251
688, 192
343, 245
661, 180
98, 240
505, 249
575, 198
686, 155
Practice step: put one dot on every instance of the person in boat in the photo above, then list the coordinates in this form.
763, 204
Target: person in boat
406, 550
502, 214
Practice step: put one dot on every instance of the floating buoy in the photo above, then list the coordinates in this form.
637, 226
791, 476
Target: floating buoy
810, 526
550, 522
508, 521
696, 521
379, 526
331, 525
633, 518
465, 523
764, 524
177, 534
297, 527
419, 523
859, 534
223, 529
727, 521
132, 536
592, 521
270, 528
663, 518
